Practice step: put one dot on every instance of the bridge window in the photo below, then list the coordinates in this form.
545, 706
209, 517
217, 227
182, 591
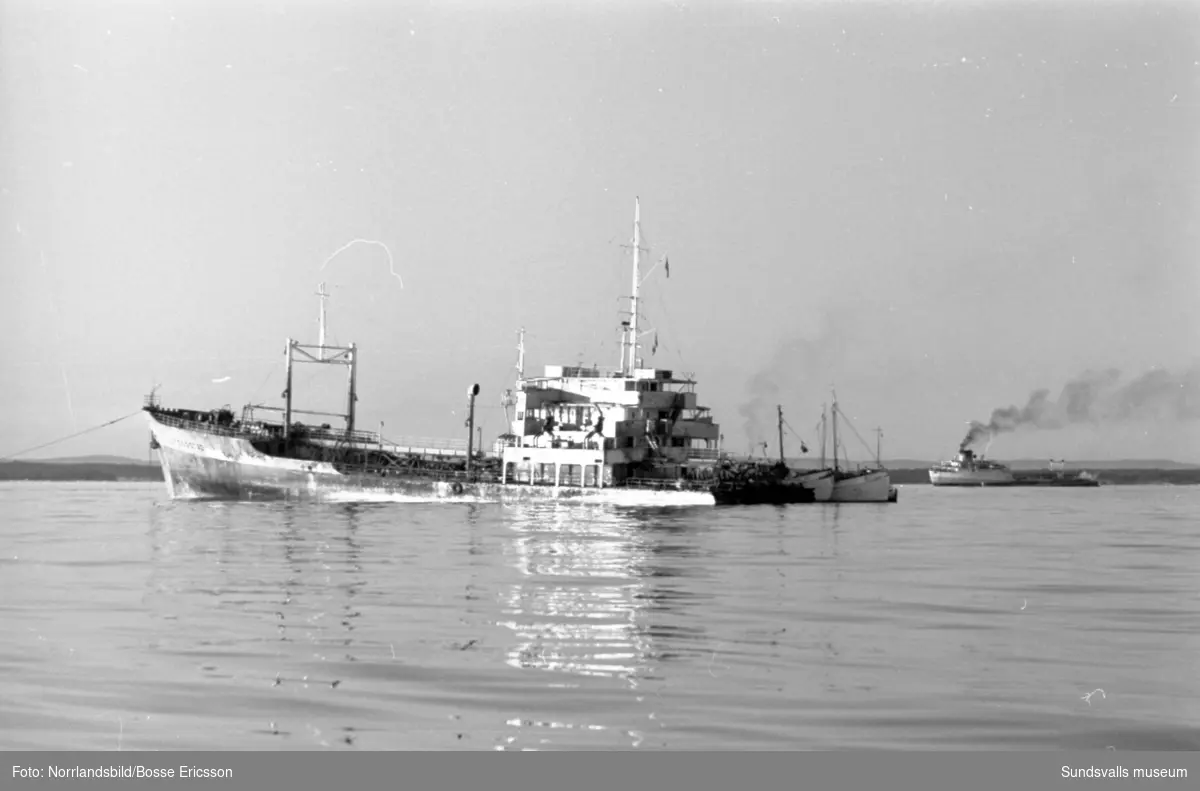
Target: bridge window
517, 473
570, 475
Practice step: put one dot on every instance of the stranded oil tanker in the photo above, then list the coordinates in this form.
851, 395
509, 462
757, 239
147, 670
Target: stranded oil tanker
628, 435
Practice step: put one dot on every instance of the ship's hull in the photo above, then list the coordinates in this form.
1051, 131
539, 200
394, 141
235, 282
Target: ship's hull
821, 483
870, 487
1051, 479
970, 477
198, 464
762, 493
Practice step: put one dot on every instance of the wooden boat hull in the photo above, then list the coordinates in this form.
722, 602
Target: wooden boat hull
821, 483
869, 487
762, 493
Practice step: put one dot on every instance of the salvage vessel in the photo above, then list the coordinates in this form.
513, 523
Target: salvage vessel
1056, 474
756, 482
661, 446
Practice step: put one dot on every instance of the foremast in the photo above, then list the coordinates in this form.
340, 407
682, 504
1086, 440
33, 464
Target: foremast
629, 343
297, 352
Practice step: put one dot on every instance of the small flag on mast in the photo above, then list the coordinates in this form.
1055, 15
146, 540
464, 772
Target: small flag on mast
654, 349
667, 266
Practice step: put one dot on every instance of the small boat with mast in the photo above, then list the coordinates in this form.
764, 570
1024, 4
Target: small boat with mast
820, 480
860, 485
661, 446
762, 483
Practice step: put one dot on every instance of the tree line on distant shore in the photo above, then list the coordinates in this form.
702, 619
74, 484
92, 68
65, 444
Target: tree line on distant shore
43, 471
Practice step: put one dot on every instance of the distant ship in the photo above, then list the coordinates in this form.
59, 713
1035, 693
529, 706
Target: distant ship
967, 470
1055, 475
628, 435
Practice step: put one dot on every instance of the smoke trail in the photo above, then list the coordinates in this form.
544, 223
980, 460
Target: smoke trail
1096, 397
799, 368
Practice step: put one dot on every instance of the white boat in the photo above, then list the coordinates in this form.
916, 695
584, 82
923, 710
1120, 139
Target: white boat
967, 470
862, 485
660, 446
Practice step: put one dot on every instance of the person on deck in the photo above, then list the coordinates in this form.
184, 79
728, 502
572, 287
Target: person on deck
549, 425
597, 428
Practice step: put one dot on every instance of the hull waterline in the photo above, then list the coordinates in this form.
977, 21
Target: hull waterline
871, 487
988, 478
821, 483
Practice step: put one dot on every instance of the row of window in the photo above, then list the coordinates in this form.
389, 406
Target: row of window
549, 474
582, 415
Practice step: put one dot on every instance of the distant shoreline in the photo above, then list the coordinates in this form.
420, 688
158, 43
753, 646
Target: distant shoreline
67, 471
109, 471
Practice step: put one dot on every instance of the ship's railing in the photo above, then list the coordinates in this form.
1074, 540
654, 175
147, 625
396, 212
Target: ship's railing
460, 476
432, 443
243, 431
341, 435
680, 484
363, 438
557, 444
703, 453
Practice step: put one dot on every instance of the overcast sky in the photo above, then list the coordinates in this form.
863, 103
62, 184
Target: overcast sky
935, 209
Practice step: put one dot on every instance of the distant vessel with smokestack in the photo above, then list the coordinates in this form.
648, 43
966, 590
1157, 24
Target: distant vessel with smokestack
966, 469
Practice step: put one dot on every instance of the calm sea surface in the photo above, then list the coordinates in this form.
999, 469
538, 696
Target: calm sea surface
950, 620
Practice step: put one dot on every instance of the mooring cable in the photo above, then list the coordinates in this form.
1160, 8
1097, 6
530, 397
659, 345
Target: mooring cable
70, 436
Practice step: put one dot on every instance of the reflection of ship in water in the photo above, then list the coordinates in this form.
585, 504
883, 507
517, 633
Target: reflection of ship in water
333, 560
595, 579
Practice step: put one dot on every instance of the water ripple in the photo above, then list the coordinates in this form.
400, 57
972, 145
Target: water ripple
953, 620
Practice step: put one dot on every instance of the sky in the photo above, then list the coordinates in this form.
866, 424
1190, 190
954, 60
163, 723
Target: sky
935, 209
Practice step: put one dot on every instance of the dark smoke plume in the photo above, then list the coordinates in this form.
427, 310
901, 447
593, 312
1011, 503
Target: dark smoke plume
1096, 397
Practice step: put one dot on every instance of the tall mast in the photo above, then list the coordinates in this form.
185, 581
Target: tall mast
352, 394
779, 407
287, 392
823, 409
321, 320
878, 444
521, 354
834, 412
633, 299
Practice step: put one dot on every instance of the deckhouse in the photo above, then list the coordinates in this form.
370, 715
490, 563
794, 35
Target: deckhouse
624, 426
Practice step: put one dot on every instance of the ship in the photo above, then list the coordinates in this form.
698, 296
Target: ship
1055, 474
631, 434
756, 482
859, 485
965, 469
